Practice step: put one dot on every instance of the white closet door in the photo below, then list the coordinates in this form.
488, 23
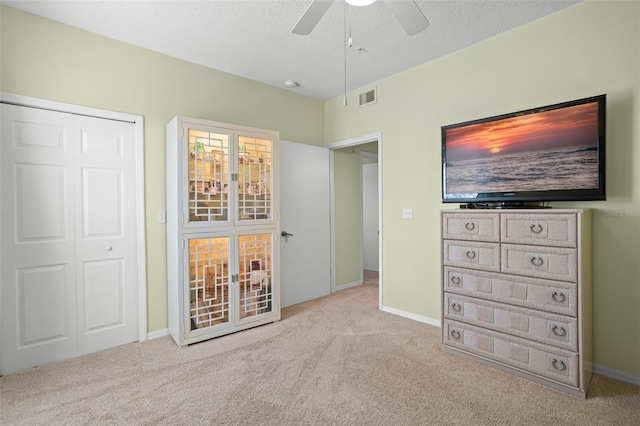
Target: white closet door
105, 233
38, 243
69, 265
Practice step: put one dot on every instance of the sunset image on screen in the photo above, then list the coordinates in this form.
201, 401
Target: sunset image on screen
552, 129
542, 150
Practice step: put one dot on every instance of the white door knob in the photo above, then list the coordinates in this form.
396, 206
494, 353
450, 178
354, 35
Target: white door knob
108, 248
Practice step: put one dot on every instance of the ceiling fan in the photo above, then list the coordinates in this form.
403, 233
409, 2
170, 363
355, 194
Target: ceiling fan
407, 12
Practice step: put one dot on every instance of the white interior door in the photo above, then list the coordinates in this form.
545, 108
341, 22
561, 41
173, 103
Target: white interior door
370, 244
38, 288
305, 212
69, 265
105, 233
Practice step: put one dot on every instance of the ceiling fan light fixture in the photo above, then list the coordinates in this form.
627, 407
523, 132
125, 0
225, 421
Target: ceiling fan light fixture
360, 2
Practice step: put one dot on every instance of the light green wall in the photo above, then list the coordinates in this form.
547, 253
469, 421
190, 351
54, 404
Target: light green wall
44, 59
586, 49
347, 214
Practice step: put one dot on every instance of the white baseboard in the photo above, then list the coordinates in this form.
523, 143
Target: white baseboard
158, 333
409, 315
347, 285
615, 374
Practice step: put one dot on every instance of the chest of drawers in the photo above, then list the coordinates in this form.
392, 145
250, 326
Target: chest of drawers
516, 292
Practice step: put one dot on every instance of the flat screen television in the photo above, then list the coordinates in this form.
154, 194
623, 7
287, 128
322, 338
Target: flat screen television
550, 153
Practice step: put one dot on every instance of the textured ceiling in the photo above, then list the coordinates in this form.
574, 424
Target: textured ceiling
253, 39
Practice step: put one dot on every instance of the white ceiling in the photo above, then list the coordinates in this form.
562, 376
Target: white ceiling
253, 39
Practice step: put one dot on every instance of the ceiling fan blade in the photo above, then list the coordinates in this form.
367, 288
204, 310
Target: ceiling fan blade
311, 17
409, 15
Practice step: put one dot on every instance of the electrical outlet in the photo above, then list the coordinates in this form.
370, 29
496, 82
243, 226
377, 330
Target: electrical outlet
407, 213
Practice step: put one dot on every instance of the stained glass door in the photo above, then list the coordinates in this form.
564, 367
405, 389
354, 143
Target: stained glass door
256, 275
209, 189
209, 281
255, 179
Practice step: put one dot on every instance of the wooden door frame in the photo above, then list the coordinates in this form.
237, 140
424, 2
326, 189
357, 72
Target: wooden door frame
358, 140
138, 122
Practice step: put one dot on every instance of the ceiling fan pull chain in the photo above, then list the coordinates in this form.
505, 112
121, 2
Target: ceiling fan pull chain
346, 43
348, 6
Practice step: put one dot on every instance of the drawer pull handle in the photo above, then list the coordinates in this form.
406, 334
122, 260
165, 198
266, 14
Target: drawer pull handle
470, 226
558, 297
559, 331
559, 365
536, 261
455, 280
536, 228
456, 306
455, 334
471, 254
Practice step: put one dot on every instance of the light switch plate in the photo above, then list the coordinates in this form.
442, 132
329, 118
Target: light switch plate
162, 216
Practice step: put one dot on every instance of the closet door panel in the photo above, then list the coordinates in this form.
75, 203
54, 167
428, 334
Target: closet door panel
38, 283
105, 233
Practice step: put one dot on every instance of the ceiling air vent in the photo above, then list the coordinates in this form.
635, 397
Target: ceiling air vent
368, 97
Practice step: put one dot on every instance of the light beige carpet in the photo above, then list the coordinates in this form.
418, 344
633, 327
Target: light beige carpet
337, 360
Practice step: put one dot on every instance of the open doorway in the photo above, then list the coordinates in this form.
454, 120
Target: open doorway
370, 216
347, 222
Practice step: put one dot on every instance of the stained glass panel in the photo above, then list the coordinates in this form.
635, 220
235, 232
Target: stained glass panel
208, 176
209, 281
255, 157
256, 274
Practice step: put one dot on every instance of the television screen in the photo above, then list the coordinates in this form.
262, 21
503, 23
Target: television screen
549, 153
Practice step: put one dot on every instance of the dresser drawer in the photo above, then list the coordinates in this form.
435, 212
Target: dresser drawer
472, 227
553, 263
546, 361
557, 330
476, 255
546, 295
558, 230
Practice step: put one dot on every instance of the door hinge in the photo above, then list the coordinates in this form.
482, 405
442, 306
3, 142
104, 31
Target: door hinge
234, 177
